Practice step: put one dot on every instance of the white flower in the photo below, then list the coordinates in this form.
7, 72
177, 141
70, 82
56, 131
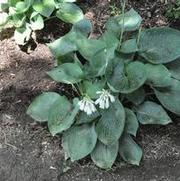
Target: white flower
87, 105
104, 99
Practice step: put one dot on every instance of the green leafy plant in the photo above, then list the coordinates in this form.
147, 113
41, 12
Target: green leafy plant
28, 16
173, 9
125, 77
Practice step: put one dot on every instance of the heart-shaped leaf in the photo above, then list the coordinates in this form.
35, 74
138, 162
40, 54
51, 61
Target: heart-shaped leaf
44, 7
62, 115
158, 75
169, 97
131, 123
68, 73
105, 155
160, 45
152, 113
132, 21
111, 124
129, 150
40, 107
22, 7
89, 47
70, 13
79, 141
64, 45
36, 21
125, 78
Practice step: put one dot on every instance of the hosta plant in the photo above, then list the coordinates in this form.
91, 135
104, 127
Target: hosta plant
126, 77
27, 16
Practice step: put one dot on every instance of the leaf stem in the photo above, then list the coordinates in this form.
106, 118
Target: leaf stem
122, 29
51, 17
139, 35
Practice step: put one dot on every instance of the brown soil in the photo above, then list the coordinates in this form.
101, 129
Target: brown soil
29, 153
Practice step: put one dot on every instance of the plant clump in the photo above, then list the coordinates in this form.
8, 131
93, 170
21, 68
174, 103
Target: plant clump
126, 77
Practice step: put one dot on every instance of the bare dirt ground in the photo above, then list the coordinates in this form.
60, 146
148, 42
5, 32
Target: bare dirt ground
29, 153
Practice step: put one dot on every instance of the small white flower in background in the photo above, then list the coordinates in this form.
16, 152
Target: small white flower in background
87, 105
104, 99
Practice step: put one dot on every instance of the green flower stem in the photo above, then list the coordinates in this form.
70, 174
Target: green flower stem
139, 35
122, 30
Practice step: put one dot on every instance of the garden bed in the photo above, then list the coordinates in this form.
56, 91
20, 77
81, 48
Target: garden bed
27, 150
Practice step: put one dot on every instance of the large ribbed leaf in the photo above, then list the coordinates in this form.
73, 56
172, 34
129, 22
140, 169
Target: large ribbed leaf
160, 45
125, 78
129, 150
68, 73
64, 45
89, 47
111, 124
40, 107
99, 60
158, 75
79, 141
62, 115
152, 113
132, 21
105, 155
174, 68
169, 97
70, 13
131, 123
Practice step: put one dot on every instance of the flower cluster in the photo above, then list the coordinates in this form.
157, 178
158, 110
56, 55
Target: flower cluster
87, 105
105, 98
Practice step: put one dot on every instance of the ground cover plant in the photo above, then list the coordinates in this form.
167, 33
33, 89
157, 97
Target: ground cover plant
28, 16
125, 77
173, 9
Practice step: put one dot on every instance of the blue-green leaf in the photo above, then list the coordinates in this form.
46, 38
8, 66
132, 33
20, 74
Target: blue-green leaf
125, 78
68, 73
169, 97
70, 13
105, 155
129, 150
160, 45
79, 141
152, 113
111, 124
40, 107
62, 115
131, 122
